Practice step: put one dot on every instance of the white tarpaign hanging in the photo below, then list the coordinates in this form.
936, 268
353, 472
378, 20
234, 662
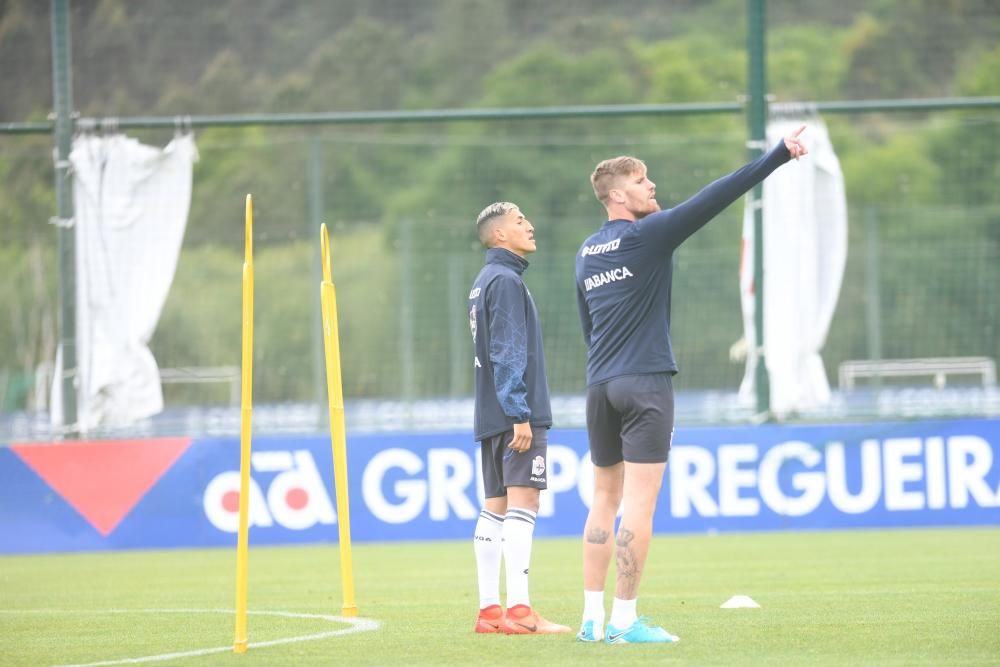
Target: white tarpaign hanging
805, 251
131, 204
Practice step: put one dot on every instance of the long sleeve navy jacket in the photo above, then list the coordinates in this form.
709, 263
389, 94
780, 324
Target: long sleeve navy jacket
624, 273
511, 384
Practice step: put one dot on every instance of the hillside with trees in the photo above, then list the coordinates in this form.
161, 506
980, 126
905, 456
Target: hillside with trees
400, 196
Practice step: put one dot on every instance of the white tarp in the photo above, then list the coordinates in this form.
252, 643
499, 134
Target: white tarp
131, 206
805, 250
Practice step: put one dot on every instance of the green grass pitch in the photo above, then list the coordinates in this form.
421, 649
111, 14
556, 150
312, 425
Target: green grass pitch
874, 597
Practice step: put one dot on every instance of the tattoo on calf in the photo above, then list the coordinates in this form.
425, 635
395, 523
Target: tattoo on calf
597, 536
628, 565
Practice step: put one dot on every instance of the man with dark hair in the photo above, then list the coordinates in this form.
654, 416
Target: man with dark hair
623, 278
512, 417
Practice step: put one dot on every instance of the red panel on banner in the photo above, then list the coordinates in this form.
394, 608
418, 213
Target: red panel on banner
103, 480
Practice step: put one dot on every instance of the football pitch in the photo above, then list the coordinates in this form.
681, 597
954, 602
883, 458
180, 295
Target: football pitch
899, 597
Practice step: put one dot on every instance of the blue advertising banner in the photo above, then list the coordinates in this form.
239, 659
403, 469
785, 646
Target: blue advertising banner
174, 492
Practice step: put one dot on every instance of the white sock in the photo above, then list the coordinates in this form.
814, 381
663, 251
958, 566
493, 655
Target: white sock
489, 548
623, 613
518, 528
593, 607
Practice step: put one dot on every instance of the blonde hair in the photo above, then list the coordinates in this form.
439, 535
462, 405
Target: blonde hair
488, 216
608, 172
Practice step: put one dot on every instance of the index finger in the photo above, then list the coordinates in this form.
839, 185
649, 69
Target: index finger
798, 131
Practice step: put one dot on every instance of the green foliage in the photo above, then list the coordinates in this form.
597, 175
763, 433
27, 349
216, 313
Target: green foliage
202, 319
983, 79
200, 322
468, 38
908, 49
27, 333
804, 63
24, 26
27, 199
234, 162
361, 67
697, 68
900, 169
401, 198
971, 146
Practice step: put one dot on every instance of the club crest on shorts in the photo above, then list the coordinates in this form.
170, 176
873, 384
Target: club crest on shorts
538, 466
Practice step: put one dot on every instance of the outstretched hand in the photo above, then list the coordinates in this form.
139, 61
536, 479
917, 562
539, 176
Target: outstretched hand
794, 145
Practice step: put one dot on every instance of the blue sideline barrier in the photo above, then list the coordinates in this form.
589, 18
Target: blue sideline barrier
182, 492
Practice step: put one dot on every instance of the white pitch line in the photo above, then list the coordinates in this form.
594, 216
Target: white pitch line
356, 625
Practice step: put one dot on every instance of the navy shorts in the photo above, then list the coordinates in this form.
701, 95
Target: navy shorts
631, 418
503, 467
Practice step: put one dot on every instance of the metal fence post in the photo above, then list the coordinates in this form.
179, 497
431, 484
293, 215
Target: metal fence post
62, 98
315, 222
756, 120
457, 325
873, 301
407, 313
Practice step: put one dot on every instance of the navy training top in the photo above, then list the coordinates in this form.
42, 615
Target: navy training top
511, 385
624, 273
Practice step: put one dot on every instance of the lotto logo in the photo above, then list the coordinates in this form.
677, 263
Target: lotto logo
296, 497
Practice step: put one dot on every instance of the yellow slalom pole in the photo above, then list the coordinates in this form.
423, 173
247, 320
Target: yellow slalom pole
246, 408
338, 431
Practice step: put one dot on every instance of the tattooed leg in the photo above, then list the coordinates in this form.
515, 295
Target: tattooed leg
629, 565
597, 536
598, 544
641, 488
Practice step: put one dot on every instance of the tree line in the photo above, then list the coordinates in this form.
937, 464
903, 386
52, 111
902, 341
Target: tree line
389, 186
